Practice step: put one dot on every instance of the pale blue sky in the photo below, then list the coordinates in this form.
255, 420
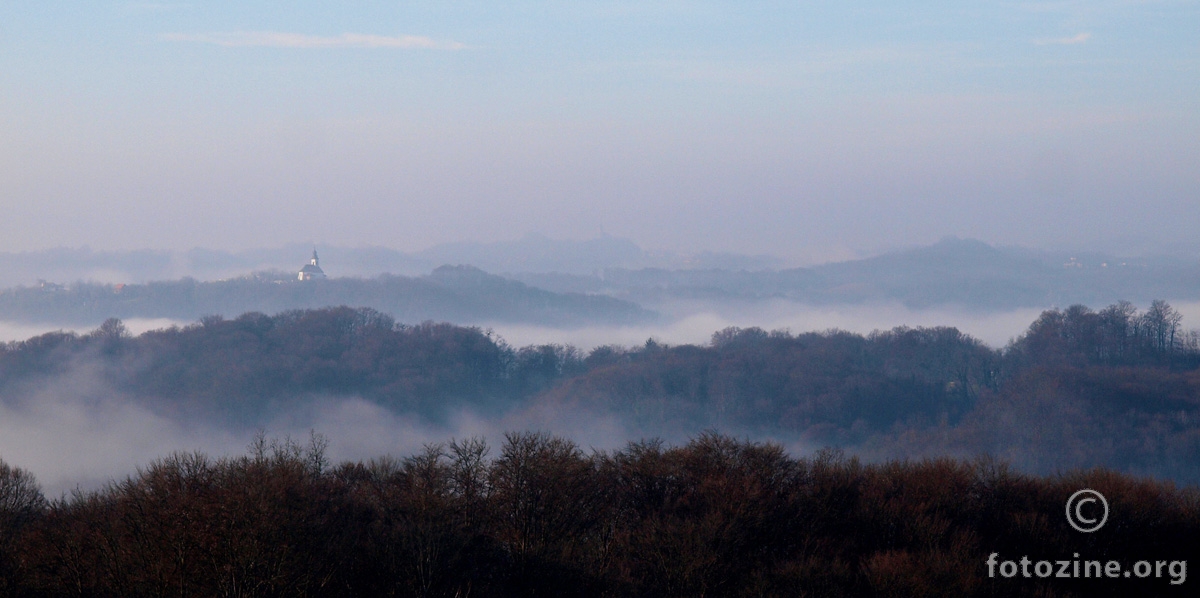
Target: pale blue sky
810, 130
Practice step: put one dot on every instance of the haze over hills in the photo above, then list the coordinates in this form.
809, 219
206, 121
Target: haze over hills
461, 294
602, 282
531, 253
619, 225
953, 272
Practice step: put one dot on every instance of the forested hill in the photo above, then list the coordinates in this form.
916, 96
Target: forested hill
453, 293
1080, 388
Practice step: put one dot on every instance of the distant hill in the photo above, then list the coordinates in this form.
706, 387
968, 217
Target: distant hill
531, 253
461, 294
953, 272
959, 272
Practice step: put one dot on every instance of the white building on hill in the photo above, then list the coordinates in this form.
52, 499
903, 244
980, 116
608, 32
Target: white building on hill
312, 270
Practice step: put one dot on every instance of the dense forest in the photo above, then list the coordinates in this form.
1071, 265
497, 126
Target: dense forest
1083, 399
1080, 388
715, 517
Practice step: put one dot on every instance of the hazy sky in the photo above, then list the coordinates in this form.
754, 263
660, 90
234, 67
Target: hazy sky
801, 129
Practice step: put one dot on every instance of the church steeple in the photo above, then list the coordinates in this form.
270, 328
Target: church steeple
312, 270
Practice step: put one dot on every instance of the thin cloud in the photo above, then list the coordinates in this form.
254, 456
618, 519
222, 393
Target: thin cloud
274, 39
1063, 41
156, 6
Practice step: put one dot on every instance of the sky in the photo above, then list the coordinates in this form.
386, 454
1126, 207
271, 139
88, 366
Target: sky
807, 130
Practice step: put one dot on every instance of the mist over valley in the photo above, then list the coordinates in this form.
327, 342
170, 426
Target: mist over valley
599, 299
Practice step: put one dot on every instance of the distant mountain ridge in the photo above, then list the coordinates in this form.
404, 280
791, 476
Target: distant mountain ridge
961, 272
952, 272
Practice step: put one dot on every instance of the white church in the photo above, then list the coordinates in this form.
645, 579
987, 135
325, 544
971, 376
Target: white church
312, 270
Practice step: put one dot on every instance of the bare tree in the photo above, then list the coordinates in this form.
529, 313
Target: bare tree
20, 495
21, 501
1161, 325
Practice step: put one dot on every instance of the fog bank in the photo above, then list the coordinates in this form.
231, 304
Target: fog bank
695, 323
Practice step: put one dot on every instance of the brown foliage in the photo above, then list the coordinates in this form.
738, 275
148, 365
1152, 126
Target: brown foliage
715, 517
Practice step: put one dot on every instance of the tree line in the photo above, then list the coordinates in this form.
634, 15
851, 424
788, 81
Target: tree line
541, 517
1078, 389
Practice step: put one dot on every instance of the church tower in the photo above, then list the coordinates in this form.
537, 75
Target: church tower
312, 270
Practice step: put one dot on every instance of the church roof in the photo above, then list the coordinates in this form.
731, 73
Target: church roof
312, 269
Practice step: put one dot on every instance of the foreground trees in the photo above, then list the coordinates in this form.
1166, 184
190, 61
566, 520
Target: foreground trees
21, 506
715, 517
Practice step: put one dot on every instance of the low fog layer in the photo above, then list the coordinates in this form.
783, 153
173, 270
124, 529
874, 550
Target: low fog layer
83, 409
77, 434
605, 284
694, 323
19, 331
